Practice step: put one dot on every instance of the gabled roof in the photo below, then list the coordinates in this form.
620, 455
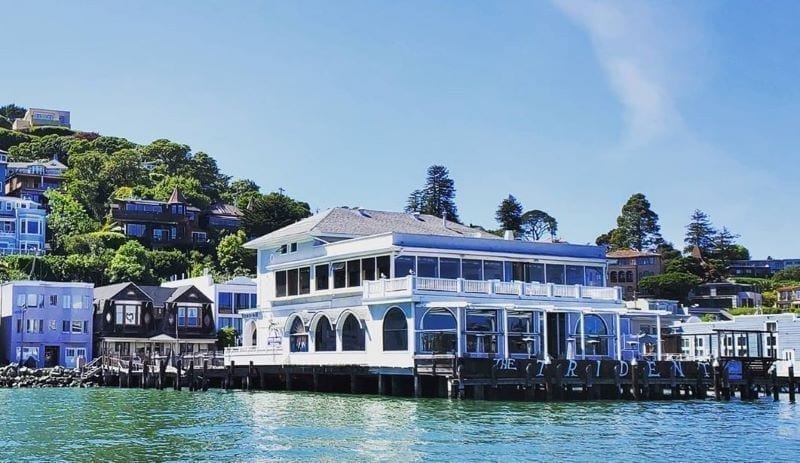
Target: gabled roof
110, 291
224, 209
342, 222
177, 197
162, 295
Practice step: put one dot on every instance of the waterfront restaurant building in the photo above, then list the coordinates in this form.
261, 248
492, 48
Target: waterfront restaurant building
45, 323
379, 289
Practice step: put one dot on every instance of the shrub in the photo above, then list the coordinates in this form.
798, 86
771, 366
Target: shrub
9, 138
51, 130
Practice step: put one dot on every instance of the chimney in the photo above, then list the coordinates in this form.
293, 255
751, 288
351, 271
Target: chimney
444, 219
508, 235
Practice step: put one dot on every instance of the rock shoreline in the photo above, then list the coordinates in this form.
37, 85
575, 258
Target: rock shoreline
12, 376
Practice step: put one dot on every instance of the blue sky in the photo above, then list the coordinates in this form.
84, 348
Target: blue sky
570, 106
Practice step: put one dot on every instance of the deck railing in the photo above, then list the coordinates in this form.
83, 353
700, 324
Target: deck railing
399, 287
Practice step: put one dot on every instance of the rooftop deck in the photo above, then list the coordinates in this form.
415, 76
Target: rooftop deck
413, 285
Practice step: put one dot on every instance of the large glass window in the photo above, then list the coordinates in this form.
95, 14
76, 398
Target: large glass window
280, 284
352, 334
449, 268
481, 329
325, 337
395, 330
404, 265
574, 275
305, 280
514, 271
321, 275
594, 276
471, 269
383, 264
242, 301
291, 282
339, 275
127, 314
438, 331
555, 274
596, 335
428, 266
534, 273
135, 229
492, 270
298, 337
353, 273
368, 269
520, 332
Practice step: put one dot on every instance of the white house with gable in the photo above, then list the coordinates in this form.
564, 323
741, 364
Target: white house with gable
374, 288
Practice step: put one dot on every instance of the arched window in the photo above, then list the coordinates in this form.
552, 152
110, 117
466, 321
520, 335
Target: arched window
254, 340
298, 337
352, 334
395, 330
324, 337
629, 275
438, 333
596, 334
612, 277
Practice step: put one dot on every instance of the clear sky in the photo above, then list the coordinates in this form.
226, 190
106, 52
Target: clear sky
570, 106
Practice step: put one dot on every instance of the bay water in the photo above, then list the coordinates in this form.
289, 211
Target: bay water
137, 425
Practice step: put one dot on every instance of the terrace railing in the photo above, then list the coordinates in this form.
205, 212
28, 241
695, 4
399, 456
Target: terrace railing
406, 286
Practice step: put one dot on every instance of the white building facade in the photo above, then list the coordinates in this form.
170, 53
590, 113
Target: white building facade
379, 289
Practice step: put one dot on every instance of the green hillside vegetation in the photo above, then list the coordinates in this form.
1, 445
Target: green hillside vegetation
85, 245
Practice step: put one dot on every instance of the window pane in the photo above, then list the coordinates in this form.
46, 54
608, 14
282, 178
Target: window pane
280, 284
291, 282
471, 269
305, 281
483, 320
428, 266
555, 274
449, 268
321, 276
594, 276
492, 270
574, 275
520, 322
225, 301
353, 273
383, 264
368, 268
404, 265
517, 271
339, 275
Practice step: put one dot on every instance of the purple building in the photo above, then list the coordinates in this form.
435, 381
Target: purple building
46, 323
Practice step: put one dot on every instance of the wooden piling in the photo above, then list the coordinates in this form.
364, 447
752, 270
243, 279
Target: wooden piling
315, 380
616, 394
229, 375
192, 386
717, 383
417, 385
635, 380
161, 372
353, 384
205, 375
288, 378
791, 383
178, 373
145, 370
775, 390
250, 376
380, 383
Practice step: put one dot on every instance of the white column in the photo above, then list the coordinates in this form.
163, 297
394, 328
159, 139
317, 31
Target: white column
658, 336
459, 329
583, 338
545, 353
619, 336
503, 323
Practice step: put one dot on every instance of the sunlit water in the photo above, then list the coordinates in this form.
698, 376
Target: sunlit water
137, 425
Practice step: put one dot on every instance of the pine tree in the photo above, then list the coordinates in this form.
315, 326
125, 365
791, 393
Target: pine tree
637, 226
699, 232
536, 223
438, 196
509, 214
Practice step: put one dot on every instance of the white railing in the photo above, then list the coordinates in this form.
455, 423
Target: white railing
437, 284
476, 286
398, 287
253, 349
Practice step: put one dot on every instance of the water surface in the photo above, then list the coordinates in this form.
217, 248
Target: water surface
136, 425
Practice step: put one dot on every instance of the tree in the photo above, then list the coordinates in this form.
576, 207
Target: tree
204, 169
130, 263
536, 223
226, 337
171, 157
241, 192
234, 259
699, 232
637, 226
724, 249
437, 197
509, 214
166, 264
669, 285
67, 217
787, 274
46, 147
271, 212
5, 123
189, 187
10, 138
12, 111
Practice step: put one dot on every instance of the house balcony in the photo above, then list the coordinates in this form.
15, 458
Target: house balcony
147, 217
409, 286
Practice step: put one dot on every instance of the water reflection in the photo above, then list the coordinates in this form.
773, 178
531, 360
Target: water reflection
135, 425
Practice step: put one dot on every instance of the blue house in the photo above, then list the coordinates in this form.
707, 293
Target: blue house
22, 222
45, 323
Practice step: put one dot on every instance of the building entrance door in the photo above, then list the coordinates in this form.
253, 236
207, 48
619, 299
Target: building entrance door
51, 356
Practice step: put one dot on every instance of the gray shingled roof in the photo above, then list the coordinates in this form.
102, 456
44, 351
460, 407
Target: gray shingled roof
343, 222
